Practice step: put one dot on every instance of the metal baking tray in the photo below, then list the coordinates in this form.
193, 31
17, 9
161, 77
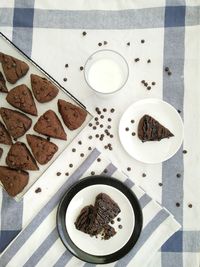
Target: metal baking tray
7, 47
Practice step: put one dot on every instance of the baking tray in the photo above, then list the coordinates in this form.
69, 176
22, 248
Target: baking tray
7, 47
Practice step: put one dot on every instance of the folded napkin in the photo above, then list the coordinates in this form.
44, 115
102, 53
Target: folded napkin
39, 244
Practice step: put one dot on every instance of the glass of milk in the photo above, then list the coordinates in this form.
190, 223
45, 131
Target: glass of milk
106, 71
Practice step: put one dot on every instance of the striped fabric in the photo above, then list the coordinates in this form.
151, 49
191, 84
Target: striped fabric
29, 250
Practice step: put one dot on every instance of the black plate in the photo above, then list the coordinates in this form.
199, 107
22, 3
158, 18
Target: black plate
88, 181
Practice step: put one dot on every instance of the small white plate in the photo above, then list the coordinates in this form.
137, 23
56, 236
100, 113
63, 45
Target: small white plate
152, 151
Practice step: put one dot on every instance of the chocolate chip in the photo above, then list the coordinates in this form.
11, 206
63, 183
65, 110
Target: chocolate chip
97, 109
112, 110
97, 123
127, 129
109, 126
105, 147
148, 87
149, 61
90, 137
73, 149
92, 173
190, 205
169, 73
38, 190
94, 127
67, 174
142, 41
160, 184
48, 138
105, 42
112, 222
109, 119
184, 151
179, 111
104, 109
81, 68
99, 112
101, 125
143, 81
110, 148
128, 44
102, 116
177, 204
166, 69
84, 33
119, 219
58, 173
144, 175
89, 148
120, 226
79, 142
82, 155
132, 121
105, 171
178, 175
133, 133
153, 83
137, 59
65, 79
97, 135
90, 124
129, 169
99, 44
96, 118
111, 135
66, 65
70, 165
145, 84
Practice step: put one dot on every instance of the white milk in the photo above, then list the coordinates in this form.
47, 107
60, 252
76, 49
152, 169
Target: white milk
105, 76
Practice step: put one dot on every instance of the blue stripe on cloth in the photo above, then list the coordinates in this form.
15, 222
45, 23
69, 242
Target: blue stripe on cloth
44, 212
23, 17
128, 182
6, 236
146, 233
173, 92
174, 243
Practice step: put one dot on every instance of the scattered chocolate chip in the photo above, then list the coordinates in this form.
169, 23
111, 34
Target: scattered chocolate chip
65, 79
137, 59
109, 127
110, 148
97, 123
179, 111
92, 173
153, 83
177, 204
112, 110
98, 159
160, 184
105, 171
145, 84
190, 205
148, 87
133, 134
112, 222
66, 65
79, 142
149, 61
128, 44
119, 219
84, 33
166, 69
120, 226
38, 190
94, 127
143, 81
1, 152
105, 147
99, 112
81, 68
101, 125
96, 118
129, 169
99, 44
67, 174
169, 73
132, 121
89, 148
48, 138
70, 165
102, 116
109, 119
178, 175
90, 137
82, 155
144, 175
90, 124
184, 151
97, 109
111, 135
127, 129
58, 173
104, 109
142, 41
73, 149
105, 42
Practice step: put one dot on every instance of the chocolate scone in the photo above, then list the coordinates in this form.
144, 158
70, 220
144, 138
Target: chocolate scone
43, 89
5, 137
73, 116
16, 122
21, 97
108, 232
13, 68
13, 181
3, 87
19, 157
50, 125
1, 152
42, 149
150, 129
84, 219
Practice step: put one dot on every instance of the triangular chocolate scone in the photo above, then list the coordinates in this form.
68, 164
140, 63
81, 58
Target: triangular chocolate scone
42, 149
4, 135
73, 116
150, 129
20, 158
3, 87
16, 122
43, 89
50, 125
21, 97
13, 68
13, 181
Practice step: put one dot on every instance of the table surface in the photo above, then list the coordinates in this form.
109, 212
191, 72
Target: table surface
52, 36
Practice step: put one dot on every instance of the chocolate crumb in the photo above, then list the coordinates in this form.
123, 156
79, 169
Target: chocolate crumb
144, 175
120, 226
137, 59
177, 204
1, 152
81, 68
65, 79
58, 173
48, 138
70, 165
38, 190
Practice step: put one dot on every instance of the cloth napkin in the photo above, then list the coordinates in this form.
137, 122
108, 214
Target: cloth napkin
39, 244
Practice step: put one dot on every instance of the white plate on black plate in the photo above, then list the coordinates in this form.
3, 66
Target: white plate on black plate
152, 151
92, 249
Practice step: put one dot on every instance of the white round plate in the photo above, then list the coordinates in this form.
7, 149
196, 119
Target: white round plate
152, 151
